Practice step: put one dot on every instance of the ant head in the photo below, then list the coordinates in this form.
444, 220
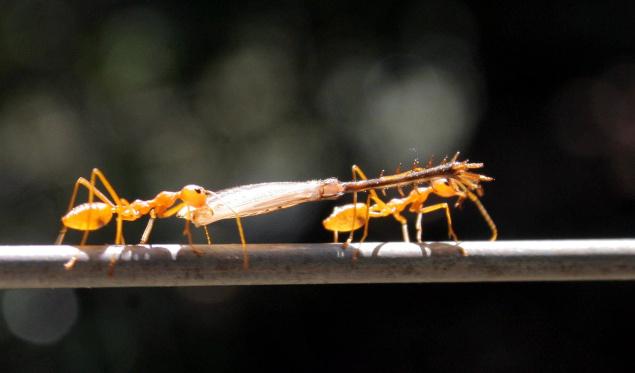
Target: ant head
442, 188
194, 195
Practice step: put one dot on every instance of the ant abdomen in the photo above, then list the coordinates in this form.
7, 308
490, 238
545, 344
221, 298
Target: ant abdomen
88, 216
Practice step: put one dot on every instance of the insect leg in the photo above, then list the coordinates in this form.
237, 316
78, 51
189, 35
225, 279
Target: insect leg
207, 235
479, 205
485, 215
241, 231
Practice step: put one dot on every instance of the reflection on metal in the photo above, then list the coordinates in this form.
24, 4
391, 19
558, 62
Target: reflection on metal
390, 262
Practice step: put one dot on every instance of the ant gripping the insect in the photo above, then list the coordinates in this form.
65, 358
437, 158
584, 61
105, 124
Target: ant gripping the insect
461, 183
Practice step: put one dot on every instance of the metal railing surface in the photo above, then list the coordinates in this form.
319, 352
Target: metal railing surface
389, 262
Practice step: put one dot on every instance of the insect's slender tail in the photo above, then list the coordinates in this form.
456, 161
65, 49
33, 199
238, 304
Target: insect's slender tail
452, 169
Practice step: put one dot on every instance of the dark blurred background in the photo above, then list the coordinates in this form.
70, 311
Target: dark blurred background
163, 94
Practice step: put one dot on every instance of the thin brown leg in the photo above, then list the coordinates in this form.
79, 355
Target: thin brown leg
485, 215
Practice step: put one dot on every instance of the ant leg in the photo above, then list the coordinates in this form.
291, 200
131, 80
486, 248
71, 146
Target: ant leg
350, 235
83, 182
84, 238
113, 257
111, 265
366, 220
92, 191
438, 206
187, 232
63, 229
146, 232
96, 173
418, 227
122, 241
404, 226
70, 264
372, 194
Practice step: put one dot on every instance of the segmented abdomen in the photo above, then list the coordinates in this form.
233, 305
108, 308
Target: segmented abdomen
88, 216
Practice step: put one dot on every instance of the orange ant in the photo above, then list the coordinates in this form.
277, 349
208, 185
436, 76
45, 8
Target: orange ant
464, 185
92, 215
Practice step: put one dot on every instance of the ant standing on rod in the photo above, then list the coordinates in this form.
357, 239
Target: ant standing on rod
92, 215
464, 185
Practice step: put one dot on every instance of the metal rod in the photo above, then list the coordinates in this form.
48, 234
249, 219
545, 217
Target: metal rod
391, 262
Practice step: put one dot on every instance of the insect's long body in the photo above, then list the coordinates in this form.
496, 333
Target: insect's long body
415, 176
263, 198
